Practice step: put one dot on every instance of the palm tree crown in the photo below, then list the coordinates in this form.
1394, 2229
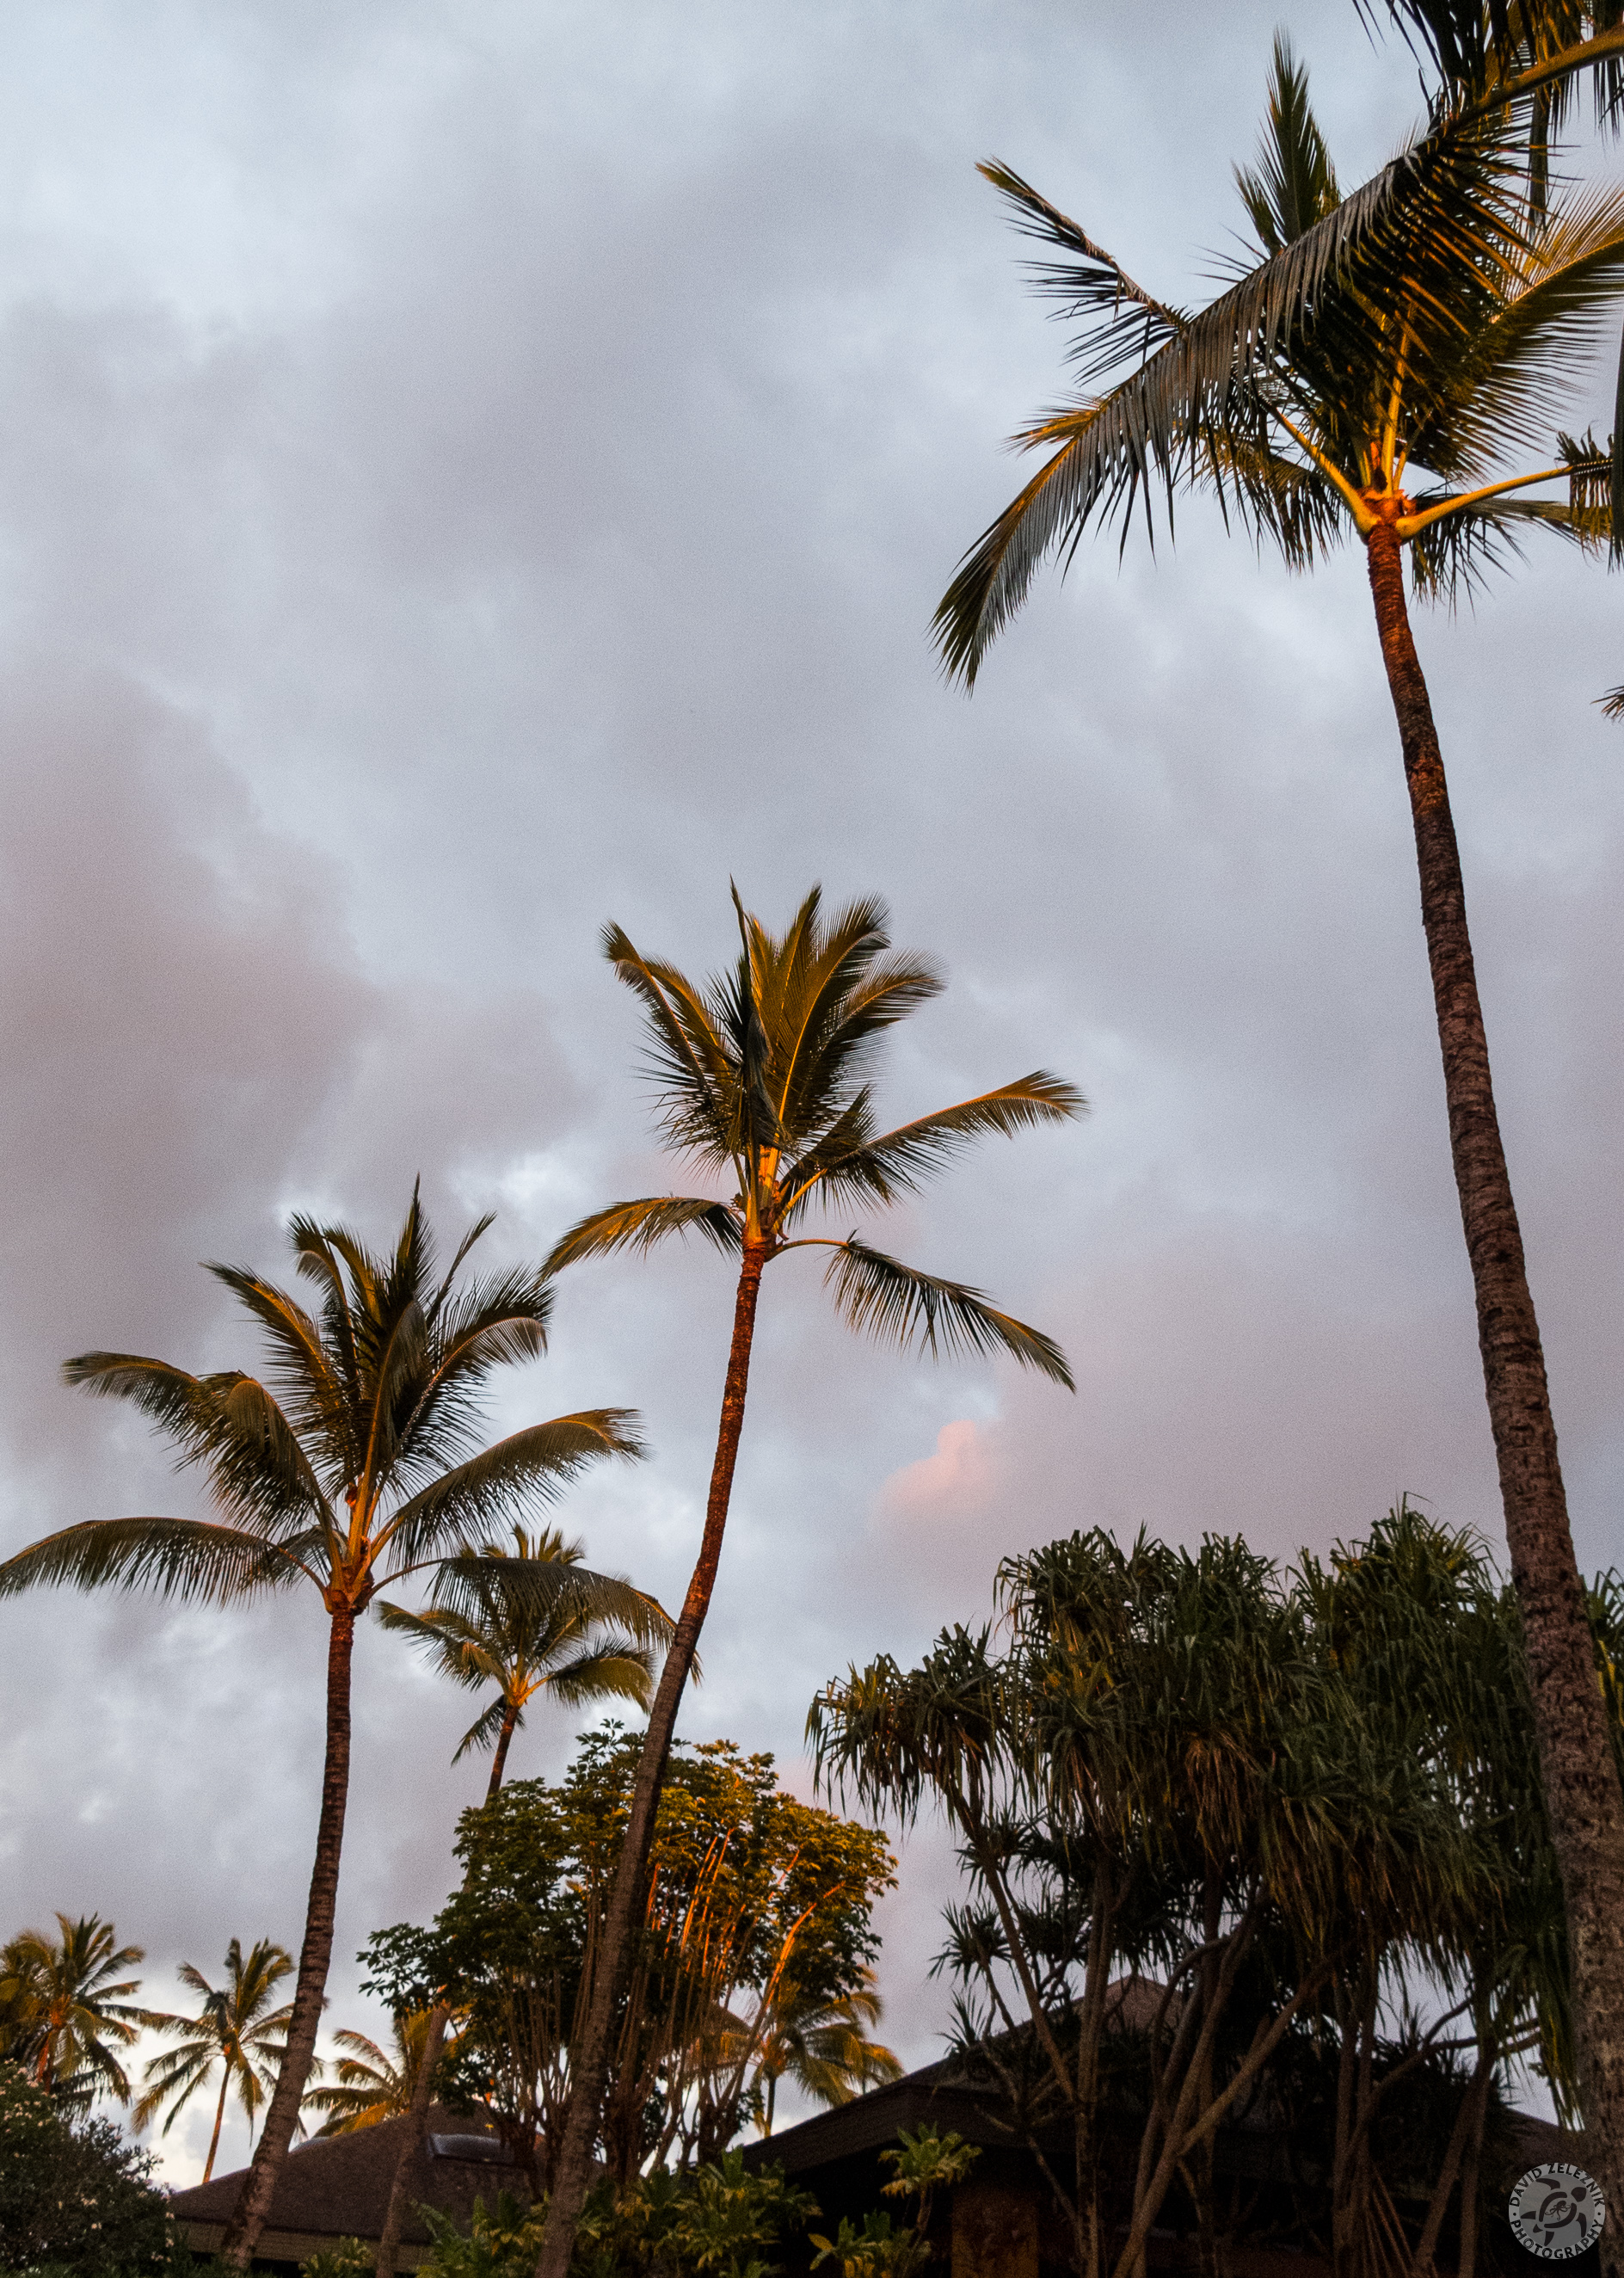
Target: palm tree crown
1444, 341
235, 2027
762, 1073
372, 2084
594, 1642
67, 2007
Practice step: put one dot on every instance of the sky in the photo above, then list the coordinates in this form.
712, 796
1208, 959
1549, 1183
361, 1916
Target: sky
470, 473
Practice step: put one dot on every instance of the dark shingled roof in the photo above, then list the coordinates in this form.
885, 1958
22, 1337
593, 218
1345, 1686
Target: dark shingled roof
338, 2187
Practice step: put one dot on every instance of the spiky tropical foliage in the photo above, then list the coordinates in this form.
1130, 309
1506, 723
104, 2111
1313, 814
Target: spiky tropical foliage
1410, 401
67, 2007
373, 2084
355, 1463
763, 1080
825, 2047
594, 1641
235, 2027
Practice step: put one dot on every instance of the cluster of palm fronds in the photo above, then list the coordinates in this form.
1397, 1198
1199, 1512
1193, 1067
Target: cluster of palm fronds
1223, 1829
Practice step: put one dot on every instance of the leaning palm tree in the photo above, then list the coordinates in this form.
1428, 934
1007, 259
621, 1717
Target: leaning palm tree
356, 1463
70, 2007
235, 2029
1403, 399
762, 1078
493, 1632
596, 1644
372, 2084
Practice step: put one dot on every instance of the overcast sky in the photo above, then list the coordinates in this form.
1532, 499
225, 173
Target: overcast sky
468, 472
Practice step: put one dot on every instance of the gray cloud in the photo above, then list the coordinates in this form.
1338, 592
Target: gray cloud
462, 479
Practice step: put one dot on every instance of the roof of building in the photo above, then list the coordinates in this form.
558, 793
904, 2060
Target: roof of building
338, 2187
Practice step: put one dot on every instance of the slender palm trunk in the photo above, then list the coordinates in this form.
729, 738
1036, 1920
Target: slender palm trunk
1583, 1794
423, 2087
499, 1762
282, 2117
219, 2114
590, 2064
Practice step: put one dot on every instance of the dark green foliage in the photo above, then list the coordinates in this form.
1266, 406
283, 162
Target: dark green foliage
76, 2198
746, 1882
714, 2221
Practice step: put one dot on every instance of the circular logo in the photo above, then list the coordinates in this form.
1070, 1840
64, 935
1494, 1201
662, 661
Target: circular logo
1556, 2210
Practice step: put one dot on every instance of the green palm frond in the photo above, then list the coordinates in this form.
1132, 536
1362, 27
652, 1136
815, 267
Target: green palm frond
898, 1161
228, 1425
1294, 184
182, 1558
506, 1480
484, 1733
616, 1669
882, 1297
639, 1225
529, 1595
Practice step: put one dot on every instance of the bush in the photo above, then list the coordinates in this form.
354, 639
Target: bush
76, 2201
349, 2258
505, 2243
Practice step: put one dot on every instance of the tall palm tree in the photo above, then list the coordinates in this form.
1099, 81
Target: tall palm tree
355, 1463
490, 1633
70, 2008
235, 2027
1439, 322
761, 1077
372, 2084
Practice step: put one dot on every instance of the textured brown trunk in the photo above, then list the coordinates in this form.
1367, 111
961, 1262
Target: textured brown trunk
499, 1762
1467, 2131
589, 2065
219, 2114
282, 2117
423, 2087
1583, 1794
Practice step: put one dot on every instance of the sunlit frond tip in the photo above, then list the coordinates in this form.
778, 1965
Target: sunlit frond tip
882, 1297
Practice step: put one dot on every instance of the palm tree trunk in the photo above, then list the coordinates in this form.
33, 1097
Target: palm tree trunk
499, 1762
590, 2064
249, 2217
1583, 1794
434, 2041
219, 2114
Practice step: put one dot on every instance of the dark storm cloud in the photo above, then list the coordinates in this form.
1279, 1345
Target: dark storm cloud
463, 477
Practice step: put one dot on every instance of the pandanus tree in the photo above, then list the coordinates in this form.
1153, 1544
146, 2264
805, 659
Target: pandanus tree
592, 1640
235, 2027
761, 1077
354, 1463
1394, 369
68, 2007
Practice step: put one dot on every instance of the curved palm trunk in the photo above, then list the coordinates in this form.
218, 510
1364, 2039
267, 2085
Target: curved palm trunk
1583, 1794
219, 2115
589, 2066
422, 2087
282, 2117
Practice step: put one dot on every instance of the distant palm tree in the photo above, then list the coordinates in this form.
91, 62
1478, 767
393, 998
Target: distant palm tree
68, 2008
822, 2047
371, 2084
492, 1634
761, 1076
1404, 391
235, 2029
359, 1464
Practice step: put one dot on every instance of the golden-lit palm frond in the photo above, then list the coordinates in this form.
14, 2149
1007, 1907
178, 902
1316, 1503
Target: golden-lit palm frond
882, 1297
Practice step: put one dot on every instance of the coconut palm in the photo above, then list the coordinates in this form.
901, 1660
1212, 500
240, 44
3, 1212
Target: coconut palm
1401, 403
355, 1463
373, 2084
68, 2008
235, 2027
822, 2046
762, 1078
493, 1632
596, 1644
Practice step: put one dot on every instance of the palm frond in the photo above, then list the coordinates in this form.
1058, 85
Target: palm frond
619, 1669
899, 1161
485, 1731
181, 1558
507, 1479
639, 1225
883, 1298
483, 1592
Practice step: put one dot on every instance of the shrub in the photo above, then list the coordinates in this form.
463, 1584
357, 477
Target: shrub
76, 2201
